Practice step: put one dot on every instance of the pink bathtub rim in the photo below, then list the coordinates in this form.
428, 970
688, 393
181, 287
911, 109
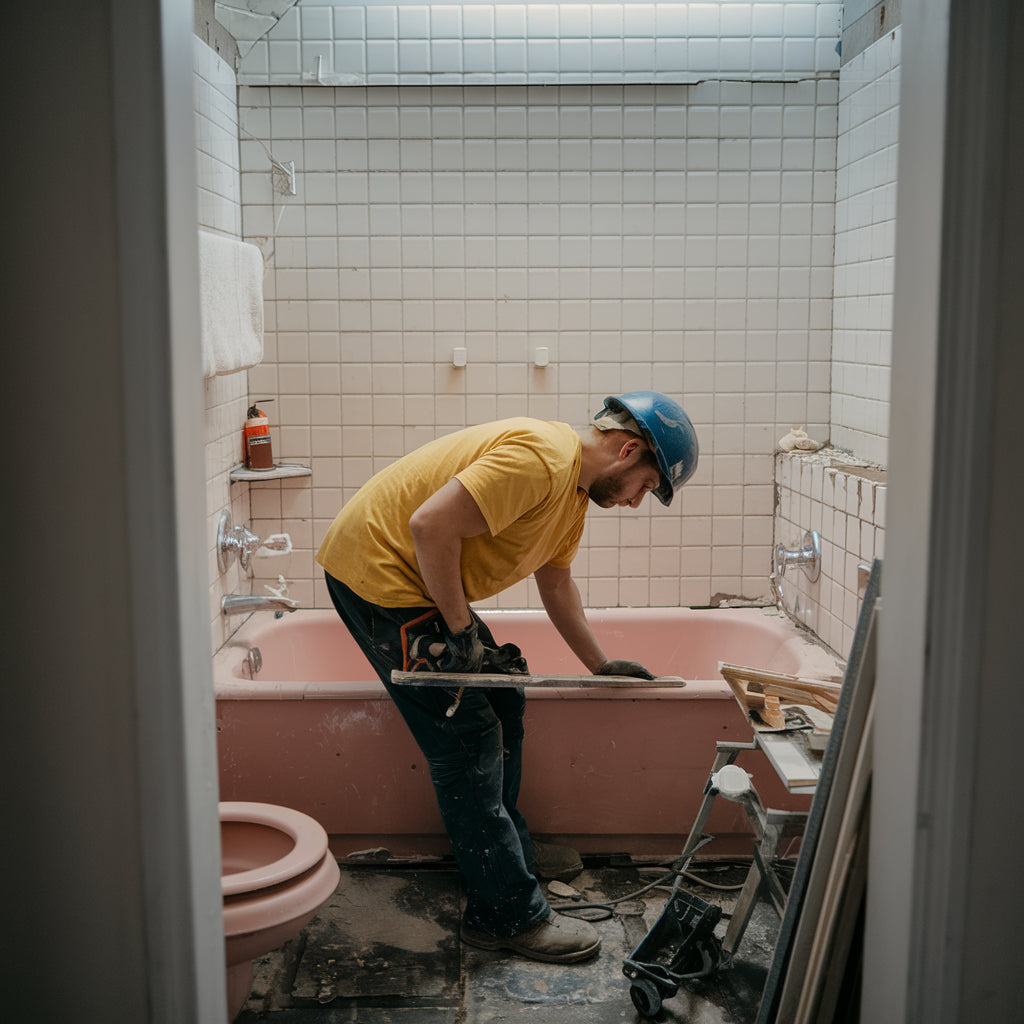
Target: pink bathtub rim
797, 653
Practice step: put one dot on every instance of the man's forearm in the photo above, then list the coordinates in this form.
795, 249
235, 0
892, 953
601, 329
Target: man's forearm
437, 561
564, 606
438, 528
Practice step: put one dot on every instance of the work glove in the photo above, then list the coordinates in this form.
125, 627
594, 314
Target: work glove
466, 652
621, 667
506, 659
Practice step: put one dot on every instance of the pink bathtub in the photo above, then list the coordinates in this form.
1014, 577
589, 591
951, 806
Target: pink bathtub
610, 771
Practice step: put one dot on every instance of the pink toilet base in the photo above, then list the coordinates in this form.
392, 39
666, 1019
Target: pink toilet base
277, 872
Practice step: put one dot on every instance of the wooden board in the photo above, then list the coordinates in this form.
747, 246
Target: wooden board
792, 760
820, 847
808, 704
830, 936
457, 679
746, 681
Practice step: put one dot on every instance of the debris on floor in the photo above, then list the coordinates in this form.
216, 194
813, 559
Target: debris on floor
385, 950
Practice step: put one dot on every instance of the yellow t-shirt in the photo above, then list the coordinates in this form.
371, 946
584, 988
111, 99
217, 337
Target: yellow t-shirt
523, 474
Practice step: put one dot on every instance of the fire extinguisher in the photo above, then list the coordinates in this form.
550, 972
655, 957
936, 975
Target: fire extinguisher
256, 439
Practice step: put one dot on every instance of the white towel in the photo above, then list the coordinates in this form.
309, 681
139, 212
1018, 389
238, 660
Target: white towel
231, 302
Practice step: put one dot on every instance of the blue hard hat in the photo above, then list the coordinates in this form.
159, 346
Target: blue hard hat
669, 432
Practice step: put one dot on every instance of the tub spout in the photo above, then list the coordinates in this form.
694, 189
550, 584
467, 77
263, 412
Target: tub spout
240, 604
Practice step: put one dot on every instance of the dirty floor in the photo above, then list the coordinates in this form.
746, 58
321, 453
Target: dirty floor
385, 950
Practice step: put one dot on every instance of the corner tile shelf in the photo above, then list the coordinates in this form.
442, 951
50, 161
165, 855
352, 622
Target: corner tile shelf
281, 471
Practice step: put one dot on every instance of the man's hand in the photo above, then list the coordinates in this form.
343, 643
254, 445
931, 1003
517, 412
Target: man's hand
620, 667
464, 651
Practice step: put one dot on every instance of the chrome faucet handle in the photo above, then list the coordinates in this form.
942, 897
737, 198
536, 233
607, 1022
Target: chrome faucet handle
807, 558
233, 540
247, 542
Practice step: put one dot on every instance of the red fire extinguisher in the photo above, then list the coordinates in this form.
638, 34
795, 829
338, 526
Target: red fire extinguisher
256, 439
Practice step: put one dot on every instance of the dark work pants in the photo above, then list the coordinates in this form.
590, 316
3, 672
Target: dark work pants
475, 760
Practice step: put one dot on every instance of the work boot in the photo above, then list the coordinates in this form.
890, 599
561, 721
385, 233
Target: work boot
556, 940
554, 861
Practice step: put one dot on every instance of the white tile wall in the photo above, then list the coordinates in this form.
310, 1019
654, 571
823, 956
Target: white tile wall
844, 501
677, 237
215, 106
667, 237
839, 494
220, 209
865, 239
506, 43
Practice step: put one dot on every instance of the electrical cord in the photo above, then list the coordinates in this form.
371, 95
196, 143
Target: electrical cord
697, 880
605, 908
601, 911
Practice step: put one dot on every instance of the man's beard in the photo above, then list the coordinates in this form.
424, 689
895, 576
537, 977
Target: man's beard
604, 491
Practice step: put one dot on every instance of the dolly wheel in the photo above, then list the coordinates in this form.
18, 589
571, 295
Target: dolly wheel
646, 997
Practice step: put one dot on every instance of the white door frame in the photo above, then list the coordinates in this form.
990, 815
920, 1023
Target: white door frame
944, 909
